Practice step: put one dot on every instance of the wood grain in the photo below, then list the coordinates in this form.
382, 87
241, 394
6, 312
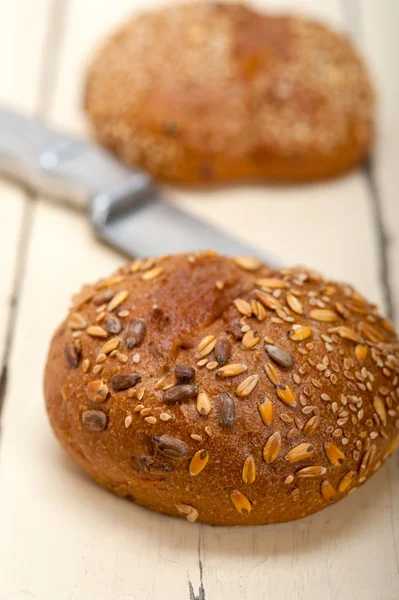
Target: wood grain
63, 537
20, 76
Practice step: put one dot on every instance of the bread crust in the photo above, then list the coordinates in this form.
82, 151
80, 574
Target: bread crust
308, 418
215, 92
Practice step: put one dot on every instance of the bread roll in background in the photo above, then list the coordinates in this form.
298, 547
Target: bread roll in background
222, 391
213, 92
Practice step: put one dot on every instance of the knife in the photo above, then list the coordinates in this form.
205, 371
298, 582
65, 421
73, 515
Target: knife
124, 205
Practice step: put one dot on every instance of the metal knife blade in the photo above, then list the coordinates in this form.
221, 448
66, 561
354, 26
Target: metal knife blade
124, 205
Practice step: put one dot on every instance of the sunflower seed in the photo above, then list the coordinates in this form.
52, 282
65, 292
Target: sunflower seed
170, 446
124, 381
243, 307
313, 471
327, 491
334, 455
184, 373
247, 386
249, 470
97, 391
346, 481
282, 357
203, 403
222, 351
241, 502
272, 447
231, 370
265, 408
285, 394
151, 465
272, 373
198, 462
136, 333
103, 297
180, 393
72, 355
300, 452
227, 413
112, 324
95, 420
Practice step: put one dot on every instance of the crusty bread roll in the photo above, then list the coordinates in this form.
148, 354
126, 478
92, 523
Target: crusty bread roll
211, 92
220, 390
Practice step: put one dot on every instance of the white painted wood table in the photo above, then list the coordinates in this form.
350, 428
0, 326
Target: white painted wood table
61, 536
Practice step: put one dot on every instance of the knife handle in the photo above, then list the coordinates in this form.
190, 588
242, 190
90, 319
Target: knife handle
62, 166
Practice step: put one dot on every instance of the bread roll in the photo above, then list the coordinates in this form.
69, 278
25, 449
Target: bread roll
219, 390
209, 92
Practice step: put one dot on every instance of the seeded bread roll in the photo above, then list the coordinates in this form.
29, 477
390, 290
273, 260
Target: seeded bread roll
209, 92
217, 389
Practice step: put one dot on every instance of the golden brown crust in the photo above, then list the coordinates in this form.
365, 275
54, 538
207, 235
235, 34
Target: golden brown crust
287, 397
213, 92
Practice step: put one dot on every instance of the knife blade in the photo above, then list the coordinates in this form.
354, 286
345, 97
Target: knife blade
124, 205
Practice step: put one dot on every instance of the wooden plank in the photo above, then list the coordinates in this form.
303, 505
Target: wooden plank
378, 36
19, 78
79, 541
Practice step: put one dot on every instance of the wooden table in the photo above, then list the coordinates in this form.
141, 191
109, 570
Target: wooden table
61, 536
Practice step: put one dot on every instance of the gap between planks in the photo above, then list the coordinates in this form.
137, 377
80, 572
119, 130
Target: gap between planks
49, 60
352, 15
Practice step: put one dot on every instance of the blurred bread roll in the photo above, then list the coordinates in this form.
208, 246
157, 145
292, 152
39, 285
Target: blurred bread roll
214, 92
